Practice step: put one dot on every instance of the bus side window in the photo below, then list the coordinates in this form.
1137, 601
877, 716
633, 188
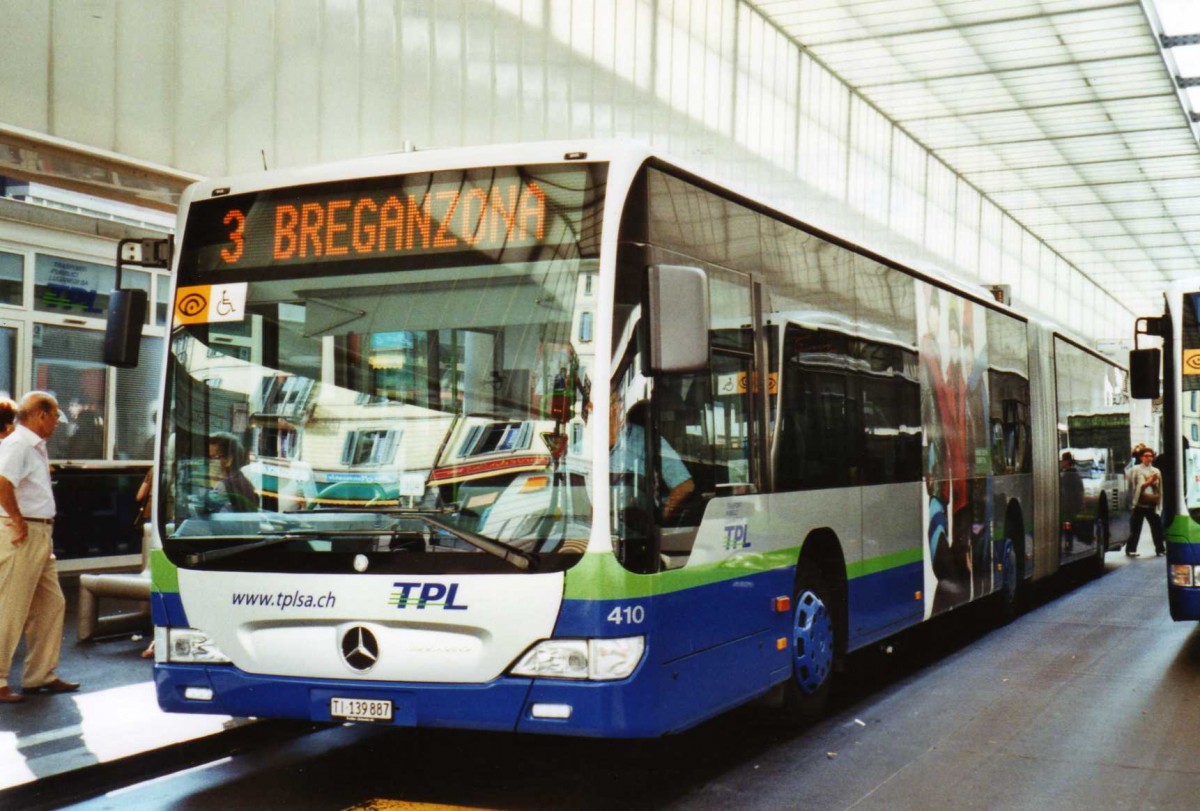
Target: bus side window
820, 431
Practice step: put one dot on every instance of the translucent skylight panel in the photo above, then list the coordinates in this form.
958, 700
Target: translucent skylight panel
1103, 242
1168, 253
861, 63
1183, 185
1093, 148
1058, 85
1025, 45
1153, 243
943, 132
1110, 172
1161, 112
962, 95
1059, 111
1104, 33
815, 22
977, 159
1128, 193
1182, 206
1127, 76
1055, 197
1062, 175
926, 55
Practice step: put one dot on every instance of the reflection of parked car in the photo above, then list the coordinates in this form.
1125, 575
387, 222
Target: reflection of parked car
1102, 491
354, 494
537, 511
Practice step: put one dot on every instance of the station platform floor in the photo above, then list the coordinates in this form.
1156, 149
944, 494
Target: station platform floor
113, 716
114, 721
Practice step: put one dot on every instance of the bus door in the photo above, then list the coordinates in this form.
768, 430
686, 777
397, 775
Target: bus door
712, 419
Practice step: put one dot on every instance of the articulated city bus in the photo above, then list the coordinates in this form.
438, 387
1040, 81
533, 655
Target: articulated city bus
1178, 362
569, 439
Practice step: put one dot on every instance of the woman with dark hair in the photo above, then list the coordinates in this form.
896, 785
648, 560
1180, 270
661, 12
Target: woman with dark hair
8, 416
236, 492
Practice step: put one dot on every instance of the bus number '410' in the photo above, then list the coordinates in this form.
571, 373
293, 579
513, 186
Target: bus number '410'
628, 614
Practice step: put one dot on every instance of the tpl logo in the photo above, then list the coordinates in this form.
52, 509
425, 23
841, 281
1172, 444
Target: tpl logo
422, 595
737, 536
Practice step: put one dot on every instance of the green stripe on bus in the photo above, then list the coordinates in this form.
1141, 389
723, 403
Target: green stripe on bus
1183, 529
885, 562
599, 576
163, 574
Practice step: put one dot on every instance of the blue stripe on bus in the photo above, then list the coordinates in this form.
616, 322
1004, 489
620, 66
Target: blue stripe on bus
884, 602
166, 608
496, 705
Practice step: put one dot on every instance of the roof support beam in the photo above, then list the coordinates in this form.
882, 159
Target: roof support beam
1179, 40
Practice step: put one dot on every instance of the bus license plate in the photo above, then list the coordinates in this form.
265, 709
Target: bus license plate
359, 709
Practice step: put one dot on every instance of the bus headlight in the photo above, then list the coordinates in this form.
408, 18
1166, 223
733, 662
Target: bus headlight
1183, 574
595, 659
189, 646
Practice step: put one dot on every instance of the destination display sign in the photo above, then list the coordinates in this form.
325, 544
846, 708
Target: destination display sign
488, 211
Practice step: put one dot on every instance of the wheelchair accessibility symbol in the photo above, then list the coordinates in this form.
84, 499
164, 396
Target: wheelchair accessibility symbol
225, 306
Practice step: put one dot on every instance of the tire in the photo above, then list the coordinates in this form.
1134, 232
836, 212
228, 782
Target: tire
813, 647
1101, 533
1008, 596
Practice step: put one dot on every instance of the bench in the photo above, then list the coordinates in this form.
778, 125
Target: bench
128, 587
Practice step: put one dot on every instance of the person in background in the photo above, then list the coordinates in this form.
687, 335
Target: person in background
145, 514
1070, 499
627, 454
1145, 482
233, 491
31, 600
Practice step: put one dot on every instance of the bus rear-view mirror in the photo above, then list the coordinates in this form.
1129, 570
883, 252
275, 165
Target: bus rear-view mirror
123, 332
678, 319
1144, 365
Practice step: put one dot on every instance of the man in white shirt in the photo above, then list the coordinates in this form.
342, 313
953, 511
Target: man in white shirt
31, 600
1146, 492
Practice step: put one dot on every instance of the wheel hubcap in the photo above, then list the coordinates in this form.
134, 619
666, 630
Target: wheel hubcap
1010, 570
812, 642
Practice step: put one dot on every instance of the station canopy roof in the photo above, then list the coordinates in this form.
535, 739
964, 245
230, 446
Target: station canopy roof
1077, 117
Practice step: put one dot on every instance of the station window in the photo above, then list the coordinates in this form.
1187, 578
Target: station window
71, 286
8, 361
66, 364
12, 275
135, 415
163, 299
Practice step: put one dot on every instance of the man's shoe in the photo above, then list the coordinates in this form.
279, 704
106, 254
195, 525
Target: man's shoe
7, 696
56, 686
1159, 554
1131, 554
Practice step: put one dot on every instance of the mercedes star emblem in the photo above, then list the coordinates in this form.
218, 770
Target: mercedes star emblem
360, 649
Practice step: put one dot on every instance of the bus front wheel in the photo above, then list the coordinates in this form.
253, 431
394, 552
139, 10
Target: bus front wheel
813, 647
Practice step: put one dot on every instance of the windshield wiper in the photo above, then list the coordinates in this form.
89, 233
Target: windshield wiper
196, 558
510, 554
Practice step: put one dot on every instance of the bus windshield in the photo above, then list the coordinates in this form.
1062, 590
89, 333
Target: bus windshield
390, 374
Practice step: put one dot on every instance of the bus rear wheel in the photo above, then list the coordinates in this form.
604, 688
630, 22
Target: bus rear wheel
1100, 532
1010, 584
813, 648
